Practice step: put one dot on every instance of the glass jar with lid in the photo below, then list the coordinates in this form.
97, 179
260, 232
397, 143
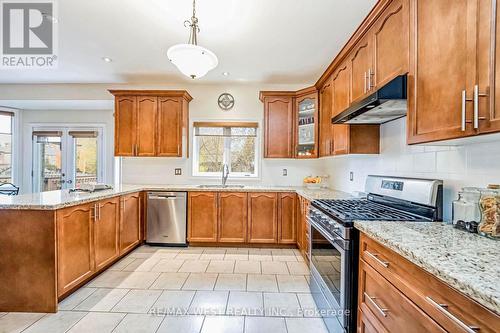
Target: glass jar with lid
490, 212
466, 208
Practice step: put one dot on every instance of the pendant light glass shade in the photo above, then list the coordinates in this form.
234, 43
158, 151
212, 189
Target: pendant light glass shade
192, 60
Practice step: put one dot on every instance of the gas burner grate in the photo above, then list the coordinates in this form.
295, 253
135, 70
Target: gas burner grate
361, 209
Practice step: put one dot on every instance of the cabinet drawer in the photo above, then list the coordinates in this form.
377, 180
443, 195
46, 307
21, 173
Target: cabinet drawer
392, 309
452, 310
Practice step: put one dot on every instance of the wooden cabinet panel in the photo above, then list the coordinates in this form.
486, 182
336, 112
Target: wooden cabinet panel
341, 99
300, 222
287, 217
391, 42
232, 217
262, 218
278, 127
360, 62
202, 216
125, 125
442, 66
367, 323
130, 222
75, 251
169, 126
423, 288
325, 116
106, 232
146, 121
394, 310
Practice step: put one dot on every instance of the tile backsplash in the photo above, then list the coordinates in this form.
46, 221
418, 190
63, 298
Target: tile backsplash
475, 164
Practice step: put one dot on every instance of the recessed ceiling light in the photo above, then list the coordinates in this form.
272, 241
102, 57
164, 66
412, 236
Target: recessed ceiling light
106, 59
225, 73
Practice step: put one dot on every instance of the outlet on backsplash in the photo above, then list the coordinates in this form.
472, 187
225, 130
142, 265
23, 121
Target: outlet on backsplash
351, 176
285, 172
178, 171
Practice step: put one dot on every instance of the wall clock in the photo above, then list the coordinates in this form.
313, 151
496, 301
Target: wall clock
226, 101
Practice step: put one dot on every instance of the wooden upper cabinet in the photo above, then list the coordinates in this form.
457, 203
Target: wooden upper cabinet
341, 99
325, 116
75, 249
306, 123
151, 122
442, 69
125, 125
278, 127
391, 43
170, 126
106, 232
232, 216
130, 222
146, 121
202, 216
262, 217
287, 218
361, 64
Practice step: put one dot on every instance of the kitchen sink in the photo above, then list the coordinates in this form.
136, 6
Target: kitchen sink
222, 186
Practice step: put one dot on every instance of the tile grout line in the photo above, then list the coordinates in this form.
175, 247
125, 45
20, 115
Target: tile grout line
33, 323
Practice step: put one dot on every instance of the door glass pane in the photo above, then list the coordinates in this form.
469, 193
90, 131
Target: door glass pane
328, 261
48, 163
85, 161
306, 127
5, 149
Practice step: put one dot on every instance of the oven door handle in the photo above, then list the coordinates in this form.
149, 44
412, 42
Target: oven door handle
325, 234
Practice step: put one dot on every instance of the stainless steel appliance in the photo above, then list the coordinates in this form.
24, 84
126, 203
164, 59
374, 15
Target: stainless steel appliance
334, 241
166, 218
384, 105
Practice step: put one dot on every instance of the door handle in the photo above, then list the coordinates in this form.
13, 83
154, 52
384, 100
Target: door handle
477, 94
374, 256
366, 78
382, 311
443, 308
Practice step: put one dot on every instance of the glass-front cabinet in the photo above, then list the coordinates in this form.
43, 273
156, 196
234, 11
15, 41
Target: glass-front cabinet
306, 141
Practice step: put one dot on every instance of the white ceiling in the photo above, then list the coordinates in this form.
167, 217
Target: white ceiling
268, 41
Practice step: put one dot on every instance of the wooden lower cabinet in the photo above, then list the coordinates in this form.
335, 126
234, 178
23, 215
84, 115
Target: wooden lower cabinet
287, 217
130, 222
202, 217
303, 242
106, 232
232, 217
263, 218
75, 246
396, 295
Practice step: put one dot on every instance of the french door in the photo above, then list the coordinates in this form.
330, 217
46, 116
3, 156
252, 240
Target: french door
66, 157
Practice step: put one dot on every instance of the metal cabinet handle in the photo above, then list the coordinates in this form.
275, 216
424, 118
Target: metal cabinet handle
477, 94
94, 212
443, 308
370, 76
374, 256
382, 311
464, 99
366, 79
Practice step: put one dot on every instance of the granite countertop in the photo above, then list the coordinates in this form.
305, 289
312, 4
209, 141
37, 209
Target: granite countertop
467, 262
63, 198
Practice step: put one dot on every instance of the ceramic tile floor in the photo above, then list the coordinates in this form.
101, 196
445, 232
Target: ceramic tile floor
157, 289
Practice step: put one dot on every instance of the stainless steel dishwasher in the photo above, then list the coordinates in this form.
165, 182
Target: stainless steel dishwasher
166, 218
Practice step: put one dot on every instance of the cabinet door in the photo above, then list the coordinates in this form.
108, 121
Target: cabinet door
130, 222
489, 67
146, 123
232, 217
442, 68
306, 123
360, 62
325, 115
262, 218
391, 43
202, 216
287, 216
125, 125
170, 127
341, 99
279, 129
106, 232
75, 253
300, 222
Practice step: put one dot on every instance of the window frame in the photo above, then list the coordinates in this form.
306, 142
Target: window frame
16, 173
227, 152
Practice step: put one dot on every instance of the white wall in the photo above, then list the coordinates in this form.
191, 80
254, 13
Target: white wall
204, 107
468, 165
62, 118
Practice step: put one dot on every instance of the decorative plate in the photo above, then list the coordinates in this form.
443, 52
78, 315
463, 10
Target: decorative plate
226, 101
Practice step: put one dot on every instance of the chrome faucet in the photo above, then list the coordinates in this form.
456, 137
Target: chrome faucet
225, 174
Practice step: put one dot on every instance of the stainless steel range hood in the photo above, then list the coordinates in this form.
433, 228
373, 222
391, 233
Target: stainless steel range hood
386, 104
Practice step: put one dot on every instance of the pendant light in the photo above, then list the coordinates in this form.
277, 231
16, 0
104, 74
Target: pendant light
192, 60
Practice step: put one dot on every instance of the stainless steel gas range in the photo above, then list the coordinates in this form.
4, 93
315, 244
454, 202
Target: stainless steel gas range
334, 241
